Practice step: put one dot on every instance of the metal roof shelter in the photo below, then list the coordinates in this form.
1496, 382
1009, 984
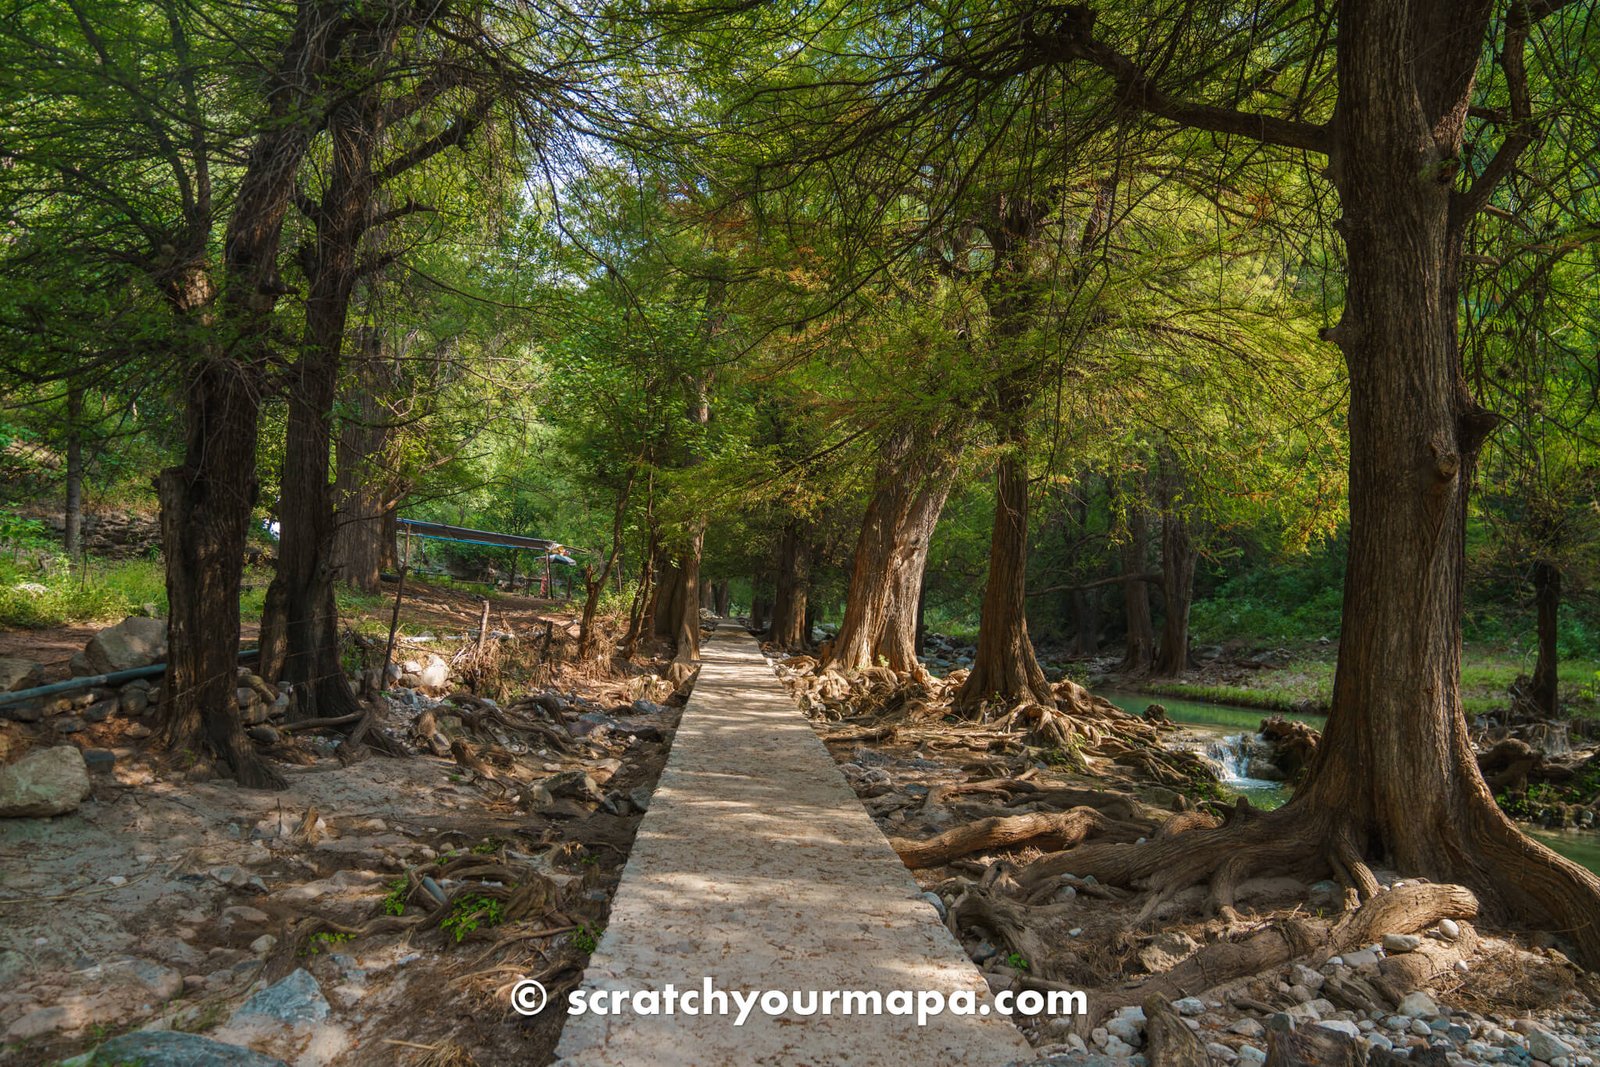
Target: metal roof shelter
462, 535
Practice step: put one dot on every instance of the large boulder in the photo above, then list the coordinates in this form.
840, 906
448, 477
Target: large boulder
18, 673
133, 642
47, 781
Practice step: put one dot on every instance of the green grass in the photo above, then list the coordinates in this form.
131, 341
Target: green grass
1486, 677
99, 591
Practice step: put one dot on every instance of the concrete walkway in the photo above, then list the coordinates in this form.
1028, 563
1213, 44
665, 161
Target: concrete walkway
758, 868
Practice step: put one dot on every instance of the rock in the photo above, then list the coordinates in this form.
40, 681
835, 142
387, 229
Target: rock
175, 1048
25, 711
263, 944
574, 785
244, 915
164, 983
133, 642
1250, 1055
134, 701
1221, 1053
1248, 1027
1167, 950
99, 760
937, 902
640, 798
293, 1000
100, 710
1305, 976
435, 674
1349, 1029
67, 724
17, 673
645, 707
1130, 1032
1543, 1045
1420, 1028
263, 733
1450, 929
139, 731
1397, 943
1418, 1003
46, 781
1188, 1006
1364, 958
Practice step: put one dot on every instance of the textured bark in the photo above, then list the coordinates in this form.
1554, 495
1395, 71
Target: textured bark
1085, 623
1396, 762
912, 482
788, 629
364, 495
207, 499
1178, 558
1139, 651
72, 538
206, 505
1005, 668
300, 620
1544, 692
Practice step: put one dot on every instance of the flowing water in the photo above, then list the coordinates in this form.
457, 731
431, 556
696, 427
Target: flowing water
1222, 733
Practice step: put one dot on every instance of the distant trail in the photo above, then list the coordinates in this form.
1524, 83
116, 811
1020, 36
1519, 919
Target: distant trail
757, 867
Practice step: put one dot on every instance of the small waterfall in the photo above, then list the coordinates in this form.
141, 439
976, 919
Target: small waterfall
1229, 754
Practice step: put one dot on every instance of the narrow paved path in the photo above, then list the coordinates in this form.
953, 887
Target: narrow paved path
757, 867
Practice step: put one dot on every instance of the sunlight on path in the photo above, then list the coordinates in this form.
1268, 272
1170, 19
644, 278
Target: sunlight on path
757, 867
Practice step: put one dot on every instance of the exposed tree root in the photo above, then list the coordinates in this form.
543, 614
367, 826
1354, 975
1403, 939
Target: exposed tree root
1408, 909
1014, 925
1007, 831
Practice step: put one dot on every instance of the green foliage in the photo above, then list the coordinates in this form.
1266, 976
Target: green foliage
324, 940
96, 593
585, 939
472, 912
394, 902
1017, 961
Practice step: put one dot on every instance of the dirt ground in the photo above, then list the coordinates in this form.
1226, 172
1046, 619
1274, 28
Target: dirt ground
171, 895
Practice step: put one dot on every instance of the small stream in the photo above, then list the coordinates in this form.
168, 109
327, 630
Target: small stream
1222, 733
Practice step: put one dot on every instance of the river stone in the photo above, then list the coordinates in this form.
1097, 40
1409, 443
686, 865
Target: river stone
1450, 929
174, 1048
133, 642
1398, 943
293, 1000
1418, 1004
1189, 1006
1543, 1045
1342, 1026
47, 781
17, 673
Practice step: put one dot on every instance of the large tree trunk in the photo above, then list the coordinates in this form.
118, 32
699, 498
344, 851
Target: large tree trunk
914, 474
1178, 558
1139, 651
1085, 623
1396, 766
1005, 669
72, 537
300, 622
364, 495
1544, 691
206, 505
207, 500
788, 629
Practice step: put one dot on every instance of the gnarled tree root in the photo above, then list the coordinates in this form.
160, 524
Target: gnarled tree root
1054, 830
1406, 910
